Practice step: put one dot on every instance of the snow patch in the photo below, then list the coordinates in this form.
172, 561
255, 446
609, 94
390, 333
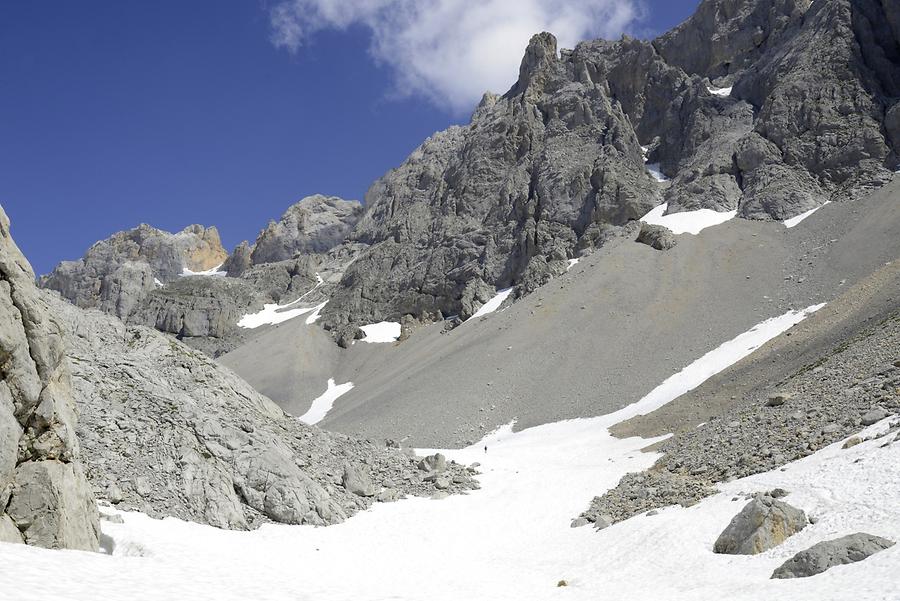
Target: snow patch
687, 222
572, 263
314, 317
383, 331
720, 91
322, 404
273, 313
494, 304
789, 223
715, 361
653, 169
209, 272
157, 283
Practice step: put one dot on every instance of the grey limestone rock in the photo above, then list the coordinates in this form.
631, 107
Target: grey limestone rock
116, 274
436, 463
167, 431
44, 496
657, 236
762, 524
315, 224
827, 554
239, 260
357, 482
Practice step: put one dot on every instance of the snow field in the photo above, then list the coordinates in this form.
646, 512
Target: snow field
511, 539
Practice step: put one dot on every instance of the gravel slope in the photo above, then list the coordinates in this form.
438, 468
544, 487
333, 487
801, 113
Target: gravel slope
592, 340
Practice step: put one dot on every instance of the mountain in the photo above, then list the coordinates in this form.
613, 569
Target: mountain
653, 287
767, 108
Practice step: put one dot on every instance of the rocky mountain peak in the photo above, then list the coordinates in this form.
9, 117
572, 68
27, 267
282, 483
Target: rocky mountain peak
540, 54
117, 273
315, 224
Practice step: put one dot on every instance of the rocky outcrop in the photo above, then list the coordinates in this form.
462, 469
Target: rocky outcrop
44, 497
200, 311
315, 224
167, 431
762, 524
827, 554
116, 274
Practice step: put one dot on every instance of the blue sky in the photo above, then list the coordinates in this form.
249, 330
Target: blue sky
172, 112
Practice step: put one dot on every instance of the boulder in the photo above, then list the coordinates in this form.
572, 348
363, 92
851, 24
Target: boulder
827, 554
358, 483
762, 524
657, 236
433, 463
873, 416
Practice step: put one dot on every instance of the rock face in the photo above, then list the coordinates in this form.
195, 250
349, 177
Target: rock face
167, 431
44, 497
830, 553
315, 224
762, 524
116, 274
545, 171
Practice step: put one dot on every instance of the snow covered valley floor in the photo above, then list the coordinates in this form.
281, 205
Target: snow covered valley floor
511, 539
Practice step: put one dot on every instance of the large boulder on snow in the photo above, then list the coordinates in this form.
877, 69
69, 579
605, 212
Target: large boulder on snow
762, 524
830, 553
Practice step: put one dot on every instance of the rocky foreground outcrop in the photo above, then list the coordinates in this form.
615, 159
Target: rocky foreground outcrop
167, 431
45, 499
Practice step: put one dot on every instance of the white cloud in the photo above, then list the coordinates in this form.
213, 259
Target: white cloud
452, 51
